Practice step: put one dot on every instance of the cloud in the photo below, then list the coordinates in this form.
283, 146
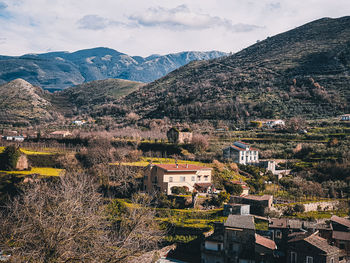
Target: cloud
3, 5
182, 18
93, 22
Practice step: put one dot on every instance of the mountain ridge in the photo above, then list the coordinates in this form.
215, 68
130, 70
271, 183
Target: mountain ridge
60, 69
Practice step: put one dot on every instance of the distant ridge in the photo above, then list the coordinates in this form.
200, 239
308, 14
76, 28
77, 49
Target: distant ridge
302, 72
59, 70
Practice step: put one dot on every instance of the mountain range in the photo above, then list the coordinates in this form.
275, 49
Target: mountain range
59, 70
302, 72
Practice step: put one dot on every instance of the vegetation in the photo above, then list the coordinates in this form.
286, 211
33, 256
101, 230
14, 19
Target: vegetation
9, 158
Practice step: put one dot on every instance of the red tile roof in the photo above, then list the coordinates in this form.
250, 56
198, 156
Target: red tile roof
265, 242
180, 167
341, 221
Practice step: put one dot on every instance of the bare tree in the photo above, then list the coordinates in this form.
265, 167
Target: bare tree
67, 221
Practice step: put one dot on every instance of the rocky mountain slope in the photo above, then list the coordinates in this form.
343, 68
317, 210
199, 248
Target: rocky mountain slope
302, 72
58, 70
21, 102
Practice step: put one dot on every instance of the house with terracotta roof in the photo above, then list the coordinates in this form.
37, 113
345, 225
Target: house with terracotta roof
60, 134
311, 248
264, 249
242, 153
341, 234
162, 177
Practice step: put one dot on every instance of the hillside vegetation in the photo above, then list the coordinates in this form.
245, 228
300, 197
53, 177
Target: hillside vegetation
304, 71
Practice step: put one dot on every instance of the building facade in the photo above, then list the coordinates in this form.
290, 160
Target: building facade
162, 177
241, 153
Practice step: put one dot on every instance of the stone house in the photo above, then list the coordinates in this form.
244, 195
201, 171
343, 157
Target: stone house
174, 135
241, 153
236, 209
311, 248
162, 177
258, 203
341, 235
235, 241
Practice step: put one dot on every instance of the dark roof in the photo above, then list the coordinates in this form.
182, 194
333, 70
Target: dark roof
321, 244
265, 242
217, 237
278, 223
339, 235
341, 221
317, 242
240, 221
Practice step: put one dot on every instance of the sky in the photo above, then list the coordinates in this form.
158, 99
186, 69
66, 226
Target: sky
145, 27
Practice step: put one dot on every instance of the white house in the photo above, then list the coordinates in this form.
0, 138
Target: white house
345, 117
274, 123
242, 153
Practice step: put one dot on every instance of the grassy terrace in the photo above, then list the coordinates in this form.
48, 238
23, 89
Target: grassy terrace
42, 171
32, 152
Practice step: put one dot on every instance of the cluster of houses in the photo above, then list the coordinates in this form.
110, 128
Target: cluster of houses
287, 240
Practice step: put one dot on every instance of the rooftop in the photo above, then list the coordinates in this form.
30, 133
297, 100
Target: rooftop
240, 221
258, 197
341, 221
278, 223
341, 235
316, 241
265, 242
181, 167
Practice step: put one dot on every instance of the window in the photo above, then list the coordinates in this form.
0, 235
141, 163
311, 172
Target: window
278, 234
293, 257
219, 247
182, 179
170, 179
205, 178
332, 260
242, 158
198, 178
341, 245
309, 259
146, 178
193, 179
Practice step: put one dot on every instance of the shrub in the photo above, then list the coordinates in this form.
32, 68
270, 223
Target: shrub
9, 158
179, 190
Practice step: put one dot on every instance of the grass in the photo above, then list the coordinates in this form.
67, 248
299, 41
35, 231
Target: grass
320, 214
30, 152
43, 171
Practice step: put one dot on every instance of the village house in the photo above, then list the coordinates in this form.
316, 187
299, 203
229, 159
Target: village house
79, 122
258, 203
162, 177
241, 153
235, 241
236, 209
345, 117
341, 235
60, 134
174, 135
311, 248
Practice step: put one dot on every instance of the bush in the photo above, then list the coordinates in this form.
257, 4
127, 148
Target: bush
9, 158
299, 208
179, 190
233, 189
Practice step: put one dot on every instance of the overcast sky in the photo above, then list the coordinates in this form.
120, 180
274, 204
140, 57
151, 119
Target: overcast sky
144, 27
